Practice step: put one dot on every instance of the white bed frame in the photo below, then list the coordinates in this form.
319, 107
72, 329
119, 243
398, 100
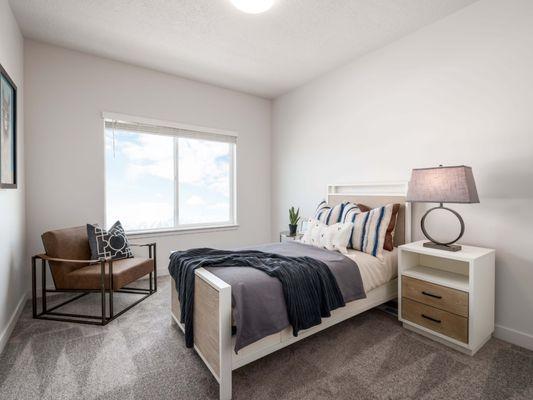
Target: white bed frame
212, 298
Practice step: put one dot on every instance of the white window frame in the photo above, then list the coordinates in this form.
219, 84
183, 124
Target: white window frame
192, 131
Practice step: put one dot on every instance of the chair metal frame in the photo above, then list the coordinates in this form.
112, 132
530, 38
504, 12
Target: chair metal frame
104, 319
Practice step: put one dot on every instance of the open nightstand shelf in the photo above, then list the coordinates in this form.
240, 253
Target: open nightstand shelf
438, 276
447, 296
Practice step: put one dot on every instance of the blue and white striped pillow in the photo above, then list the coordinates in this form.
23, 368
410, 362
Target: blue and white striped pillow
349, 210
330, 215
322, 211
369, 229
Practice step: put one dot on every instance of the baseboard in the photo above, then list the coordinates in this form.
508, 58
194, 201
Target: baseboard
6, 333
513, 336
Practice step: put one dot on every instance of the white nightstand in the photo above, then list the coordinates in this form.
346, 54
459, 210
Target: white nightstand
285, 237
447, 296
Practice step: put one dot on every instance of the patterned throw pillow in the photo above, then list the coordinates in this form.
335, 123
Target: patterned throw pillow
369, 229
389, 236
336, 237
322, 211
108, 244
313, 233
332, 215
333, 237
350, 209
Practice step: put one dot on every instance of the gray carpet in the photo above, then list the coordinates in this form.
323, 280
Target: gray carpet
141, 356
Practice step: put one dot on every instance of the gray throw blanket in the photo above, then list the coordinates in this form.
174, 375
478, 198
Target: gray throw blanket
310, 289
258, 302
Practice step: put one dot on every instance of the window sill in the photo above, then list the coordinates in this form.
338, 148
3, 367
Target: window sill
180, 231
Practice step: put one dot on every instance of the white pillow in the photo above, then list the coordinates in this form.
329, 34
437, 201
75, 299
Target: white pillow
333, 237
337, 236
313, 233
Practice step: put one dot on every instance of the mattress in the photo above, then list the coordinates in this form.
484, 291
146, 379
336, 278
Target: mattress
374, 271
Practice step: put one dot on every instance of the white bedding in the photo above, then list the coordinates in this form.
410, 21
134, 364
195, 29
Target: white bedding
375, 272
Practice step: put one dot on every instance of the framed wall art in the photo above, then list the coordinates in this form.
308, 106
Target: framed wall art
8, 131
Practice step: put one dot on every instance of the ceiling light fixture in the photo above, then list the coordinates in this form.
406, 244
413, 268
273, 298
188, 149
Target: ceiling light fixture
253, 6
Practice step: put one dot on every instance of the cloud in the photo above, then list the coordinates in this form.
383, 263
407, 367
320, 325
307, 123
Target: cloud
142, 215
202, 163
218, 206
194, 201
143, 154
151, 155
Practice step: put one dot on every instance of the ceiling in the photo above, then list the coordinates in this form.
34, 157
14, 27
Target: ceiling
211, 41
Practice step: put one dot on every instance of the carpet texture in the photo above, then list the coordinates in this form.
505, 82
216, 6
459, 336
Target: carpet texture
141, 355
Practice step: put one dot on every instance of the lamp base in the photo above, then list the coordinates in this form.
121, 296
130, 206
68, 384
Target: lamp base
449, 247
434, 244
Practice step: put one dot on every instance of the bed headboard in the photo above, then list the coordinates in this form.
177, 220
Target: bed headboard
376, 195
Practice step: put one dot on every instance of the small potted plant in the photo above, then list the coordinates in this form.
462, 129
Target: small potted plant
294, 218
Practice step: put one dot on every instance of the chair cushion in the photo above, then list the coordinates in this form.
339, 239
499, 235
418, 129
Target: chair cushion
125, 271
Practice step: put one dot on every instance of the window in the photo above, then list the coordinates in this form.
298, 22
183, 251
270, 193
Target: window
163, 178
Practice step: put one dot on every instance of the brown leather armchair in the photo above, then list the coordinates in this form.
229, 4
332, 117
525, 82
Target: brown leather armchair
68, 255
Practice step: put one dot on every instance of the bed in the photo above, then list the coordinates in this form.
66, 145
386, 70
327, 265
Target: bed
213, 339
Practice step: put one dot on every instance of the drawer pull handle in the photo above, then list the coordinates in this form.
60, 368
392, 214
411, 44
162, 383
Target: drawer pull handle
438, 321
432, 295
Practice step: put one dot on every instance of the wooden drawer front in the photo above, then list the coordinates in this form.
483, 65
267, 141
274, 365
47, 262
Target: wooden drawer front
437, 320
445, 298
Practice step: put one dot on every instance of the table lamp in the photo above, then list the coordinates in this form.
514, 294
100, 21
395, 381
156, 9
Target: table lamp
442, 185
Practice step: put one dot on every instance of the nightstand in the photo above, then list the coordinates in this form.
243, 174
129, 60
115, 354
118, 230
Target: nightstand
285, 237
447, 296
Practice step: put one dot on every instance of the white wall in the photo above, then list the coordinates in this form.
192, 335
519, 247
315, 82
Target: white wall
66, 92
457, 92
14, 271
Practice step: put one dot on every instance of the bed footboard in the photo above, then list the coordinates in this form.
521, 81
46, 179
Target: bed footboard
212, 326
